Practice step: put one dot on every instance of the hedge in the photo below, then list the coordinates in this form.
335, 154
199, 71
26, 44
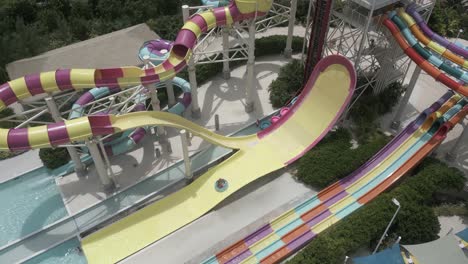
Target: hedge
289, 81
334, 159
6, 113
53, 158
369, 107
416, 222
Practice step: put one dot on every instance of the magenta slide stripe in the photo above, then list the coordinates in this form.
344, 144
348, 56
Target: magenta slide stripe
18, 139
111, 73
7, 95
63, 79
57, 133
301, 241
33, 82
110, 83
197, 19
101, 124
220, 15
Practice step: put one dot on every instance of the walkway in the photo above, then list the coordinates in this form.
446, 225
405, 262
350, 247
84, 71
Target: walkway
229, 222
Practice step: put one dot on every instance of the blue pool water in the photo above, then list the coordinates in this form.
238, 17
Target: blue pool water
27, 204
65, 253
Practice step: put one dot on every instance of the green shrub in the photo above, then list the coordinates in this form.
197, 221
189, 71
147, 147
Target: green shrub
289, 81
415, 223
6, 154
334, 159
6, 113
369, 107
452, 209
54, 158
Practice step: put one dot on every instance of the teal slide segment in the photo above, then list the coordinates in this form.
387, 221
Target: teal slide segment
348, 210
215, 3
269, 250
307, 206
464, 77
290, 227
435, 61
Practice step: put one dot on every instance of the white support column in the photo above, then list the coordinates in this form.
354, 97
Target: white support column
404, 101
463, 138
196, 113
249, 89
101, 170
292, 21
156, 104
75, 157
187, 162
170, 93
108, 164
226, 70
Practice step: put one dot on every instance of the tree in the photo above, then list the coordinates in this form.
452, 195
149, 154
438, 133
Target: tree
6, 113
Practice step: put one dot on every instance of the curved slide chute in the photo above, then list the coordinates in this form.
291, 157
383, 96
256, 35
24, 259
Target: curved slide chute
319, 106
293, 229
411, 9
410, 49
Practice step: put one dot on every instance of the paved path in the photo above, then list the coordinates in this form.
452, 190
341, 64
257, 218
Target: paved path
13, 167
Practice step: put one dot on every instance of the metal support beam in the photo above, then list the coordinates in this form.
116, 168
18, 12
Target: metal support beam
453, 153
187, 162
292, 21
171, 101
404, 101
226, 70
364, 35
249, 89
101, 170
75, 157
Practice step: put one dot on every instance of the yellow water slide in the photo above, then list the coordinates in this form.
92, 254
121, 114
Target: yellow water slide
315, 112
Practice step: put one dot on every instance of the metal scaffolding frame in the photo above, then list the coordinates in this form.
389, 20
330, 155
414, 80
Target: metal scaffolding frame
356, 32
238, 44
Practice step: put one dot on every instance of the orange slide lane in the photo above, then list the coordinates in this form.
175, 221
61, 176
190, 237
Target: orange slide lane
433, 143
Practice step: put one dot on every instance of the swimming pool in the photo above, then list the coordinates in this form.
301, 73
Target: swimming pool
65, 253
90, 217
27, 204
